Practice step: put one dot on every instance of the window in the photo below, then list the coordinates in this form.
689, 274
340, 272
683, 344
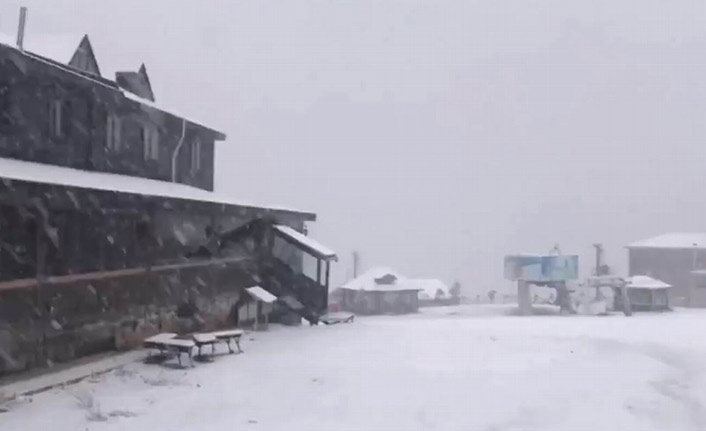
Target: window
196, 155
150, 143
56, 115
113, 129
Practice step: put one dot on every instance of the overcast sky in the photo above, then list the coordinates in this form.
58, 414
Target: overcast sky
433, 136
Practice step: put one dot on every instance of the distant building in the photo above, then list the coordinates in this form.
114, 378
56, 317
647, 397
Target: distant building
672, 258
645, 294
433, 292
378, 291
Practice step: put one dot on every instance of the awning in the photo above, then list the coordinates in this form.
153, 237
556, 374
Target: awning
261, 294
305, 243
645, 282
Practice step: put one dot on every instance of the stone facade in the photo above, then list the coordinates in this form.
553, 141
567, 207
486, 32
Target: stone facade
50, 113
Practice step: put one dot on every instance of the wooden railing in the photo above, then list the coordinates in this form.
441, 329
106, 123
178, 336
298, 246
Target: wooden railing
282, 281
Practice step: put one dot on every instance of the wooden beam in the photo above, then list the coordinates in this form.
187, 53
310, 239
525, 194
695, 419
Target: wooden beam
318, 271
328, 274
326, 287
25, 283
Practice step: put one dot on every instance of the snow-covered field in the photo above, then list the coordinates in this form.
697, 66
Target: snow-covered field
467, 368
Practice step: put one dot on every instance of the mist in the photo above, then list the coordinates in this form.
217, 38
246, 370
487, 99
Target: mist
432, 137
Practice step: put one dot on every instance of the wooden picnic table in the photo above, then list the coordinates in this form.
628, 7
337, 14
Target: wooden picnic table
167, 343
206, 339
229, 335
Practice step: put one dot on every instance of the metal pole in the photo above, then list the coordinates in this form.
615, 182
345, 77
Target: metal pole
21, 28
328, 273
523, 298
356, 259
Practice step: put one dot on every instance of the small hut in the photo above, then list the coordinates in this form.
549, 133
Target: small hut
254, 308
433, 292
646, 294
379, 291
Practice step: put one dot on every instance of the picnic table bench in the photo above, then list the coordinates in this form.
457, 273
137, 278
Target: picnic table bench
206, 339
229, 335
167, 343
213, 338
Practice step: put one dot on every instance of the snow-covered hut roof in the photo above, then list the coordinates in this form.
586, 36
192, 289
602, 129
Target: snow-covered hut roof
316, 248
50, 174
261, 294
430, 288
675, 240
646, 282
381, 279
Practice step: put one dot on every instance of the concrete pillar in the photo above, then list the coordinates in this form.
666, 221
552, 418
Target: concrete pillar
524, 299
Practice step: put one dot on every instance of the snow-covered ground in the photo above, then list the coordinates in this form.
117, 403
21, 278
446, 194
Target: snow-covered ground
467, 367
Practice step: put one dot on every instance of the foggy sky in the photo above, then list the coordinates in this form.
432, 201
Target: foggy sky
433, 136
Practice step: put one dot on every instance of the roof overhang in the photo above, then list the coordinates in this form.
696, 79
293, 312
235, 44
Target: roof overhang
305, 243
39, 173
261, 294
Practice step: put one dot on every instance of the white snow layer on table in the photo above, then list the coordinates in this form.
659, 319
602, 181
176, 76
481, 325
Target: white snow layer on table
445, 369
695, 240
50, 174
645, 282
259, 293
306, 241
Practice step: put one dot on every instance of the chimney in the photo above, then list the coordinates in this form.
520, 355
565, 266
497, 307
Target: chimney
21, 28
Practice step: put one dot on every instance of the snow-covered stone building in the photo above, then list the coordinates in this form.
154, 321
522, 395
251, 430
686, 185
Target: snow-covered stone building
108, 218
378, 291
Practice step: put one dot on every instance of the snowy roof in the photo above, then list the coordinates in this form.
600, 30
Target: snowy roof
162, 108
430, 288
368, 281
61, 47
645, 282
258, 292
310, 244
50, 174
677, 240
8, 40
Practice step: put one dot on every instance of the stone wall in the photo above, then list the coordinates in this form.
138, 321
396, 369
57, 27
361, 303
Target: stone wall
51, 324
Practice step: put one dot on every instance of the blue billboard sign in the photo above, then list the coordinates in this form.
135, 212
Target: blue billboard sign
541, 268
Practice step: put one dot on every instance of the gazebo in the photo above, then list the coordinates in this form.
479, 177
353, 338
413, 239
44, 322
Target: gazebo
646, 294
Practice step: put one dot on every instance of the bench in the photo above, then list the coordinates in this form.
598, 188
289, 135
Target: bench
202, 340
167, 344
229, 335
